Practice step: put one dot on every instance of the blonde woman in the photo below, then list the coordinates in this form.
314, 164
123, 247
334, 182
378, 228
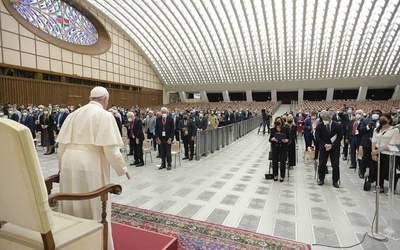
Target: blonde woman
47, 124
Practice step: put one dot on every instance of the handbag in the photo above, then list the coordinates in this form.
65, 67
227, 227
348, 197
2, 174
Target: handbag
270, 156
367, 184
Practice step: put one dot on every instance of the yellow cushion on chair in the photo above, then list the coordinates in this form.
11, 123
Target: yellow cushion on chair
69, 232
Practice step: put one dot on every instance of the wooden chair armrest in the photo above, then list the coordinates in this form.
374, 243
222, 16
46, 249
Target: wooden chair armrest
49, 182
102, 192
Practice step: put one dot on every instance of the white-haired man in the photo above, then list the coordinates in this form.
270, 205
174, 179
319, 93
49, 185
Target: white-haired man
165, 129
89, 142
354, 136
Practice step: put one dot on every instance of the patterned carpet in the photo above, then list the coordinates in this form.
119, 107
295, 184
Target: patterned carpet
195, 235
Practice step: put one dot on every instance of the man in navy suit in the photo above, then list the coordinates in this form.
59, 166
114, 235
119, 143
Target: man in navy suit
60, 118
188, 129
27, 120
136, 137
329, 135
165, 129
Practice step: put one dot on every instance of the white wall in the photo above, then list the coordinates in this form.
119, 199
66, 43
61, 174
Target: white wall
122, 63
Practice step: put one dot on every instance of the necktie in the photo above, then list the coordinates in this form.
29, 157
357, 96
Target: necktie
328, 128
163, 121
353, 132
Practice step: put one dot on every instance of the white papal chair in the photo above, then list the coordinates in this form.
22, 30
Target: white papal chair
24, 204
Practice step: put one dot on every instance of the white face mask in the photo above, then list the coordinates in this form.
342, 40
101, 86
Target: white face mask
375, 117
129, 119
62, 110
358, 116
24, 114
40, 110
164, 115
326, 122
349, 111
46, 112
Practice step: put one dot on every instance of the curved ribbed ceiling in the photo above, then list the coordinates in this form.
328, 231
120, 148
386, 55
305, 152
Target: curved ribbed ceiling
239, 41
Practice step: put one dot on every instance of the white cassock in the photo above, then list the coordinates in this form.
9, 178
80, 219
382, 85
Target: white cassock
89, 143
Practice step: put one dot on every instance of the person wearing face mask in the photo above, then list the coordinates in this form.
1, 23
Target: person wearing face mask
12, 115
366, 128
201, 121
60, 117
176, 118
345, 115
354, 136
383, 136
150, 125
188, 131
212, 121
279, 139
136, 137
309, 127
290, 124
329, 134
47, 137
165, 136
27, 120
37, 116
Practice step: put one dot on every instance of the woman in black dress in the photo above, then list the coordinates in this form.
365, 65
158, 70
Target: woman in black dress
279, 139
47, 124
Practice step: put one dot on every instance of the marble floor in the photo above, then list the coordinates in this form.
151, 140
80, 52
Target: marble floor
228, 187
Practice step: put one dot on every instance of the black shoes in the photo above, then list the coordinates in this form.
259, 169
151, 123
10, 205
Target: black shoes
352, 167
335, 185
185, 158
134, 163
320, 183
140, 164
361, 176
161, 167
169, 168
191, 159
158, 156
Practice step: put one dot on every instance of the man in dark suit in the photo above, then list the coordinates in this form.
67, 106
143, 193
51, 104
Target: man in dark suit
60, 118
188, 131
367, 129
329, 135
354, 136
345, 115
176, 118
136, 137
12, 114
27, 120
201, 121
165, 133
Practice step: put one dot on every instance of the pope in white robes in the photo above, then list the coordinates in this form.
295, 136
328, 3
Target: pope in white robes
89, 144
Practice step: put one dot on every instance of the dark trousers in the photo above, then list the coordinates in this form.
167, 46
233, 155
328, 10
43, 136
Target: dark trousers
188, 144
291, 150
177, 136
138, 151
353, 150
165, 151
366, 161
279, 155
334, 155
345, 147
308, 140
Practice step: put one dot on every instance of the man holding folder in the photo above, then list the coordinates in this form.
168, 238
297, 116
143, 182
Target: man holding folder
329, 134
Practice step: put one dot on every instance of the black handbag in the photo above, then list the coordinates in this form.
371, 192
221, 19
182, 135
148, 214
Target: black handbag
367, 184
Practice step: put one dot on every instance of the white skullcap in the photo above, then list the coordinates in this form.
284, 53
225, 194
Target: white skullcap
98, 91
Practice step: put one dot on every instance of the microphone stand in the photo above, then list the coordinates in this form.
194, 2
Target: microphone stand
377, 235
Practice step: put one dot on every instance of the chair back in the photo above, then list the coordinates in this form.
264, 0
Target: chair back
175, 148
23, 195
147, 143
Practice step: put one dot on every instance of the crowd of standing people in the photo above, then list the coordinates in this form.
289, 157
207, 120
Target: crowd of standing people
338, 133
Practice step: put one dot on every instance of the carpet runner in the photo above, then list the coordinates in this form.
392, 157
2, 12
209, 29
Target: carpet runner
193, 234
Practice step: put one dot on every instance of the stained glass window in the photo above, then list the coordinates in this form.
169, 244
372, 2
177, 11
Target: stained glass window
58, 19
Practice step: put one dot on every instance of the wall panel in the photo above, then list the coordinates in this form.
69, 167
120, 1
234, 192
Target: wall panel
24, 91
